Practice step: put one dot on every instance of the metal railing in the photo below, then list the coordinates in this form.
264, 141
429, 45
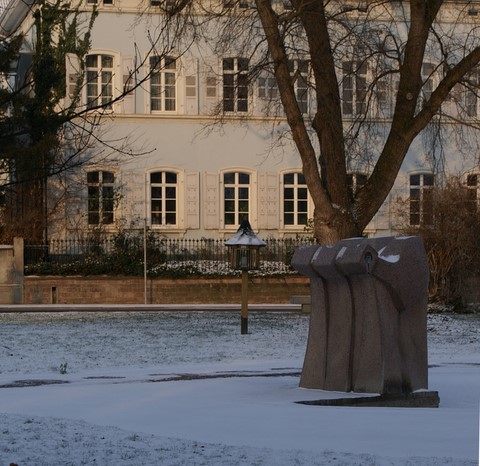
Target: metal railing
159, 249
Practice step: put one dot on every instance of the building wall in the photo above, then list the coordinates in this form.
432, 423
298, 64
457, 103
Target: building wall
190, 142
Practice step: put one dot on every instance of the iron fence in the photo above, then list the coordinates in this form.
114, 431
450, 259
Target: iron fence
159, 250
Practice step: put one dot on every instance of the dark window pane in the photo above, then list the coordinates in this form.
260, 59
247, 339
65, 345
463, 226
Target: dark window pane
288, 219
170, 218
157, 193
289, 178
228, 64
243, 64
288, 193
243, 105
171, 177
108, 177
302, 193
170, 206
156, 206
301, 178
229, 206
92, 177
93, 218
302, 219
288, 206
170, 192
472, 180
243, 178
107, 218
156, 218
156, 177
92, 61
243, 206
428, 180
243, 193
229, 193
414, 180
229, 219
229, 178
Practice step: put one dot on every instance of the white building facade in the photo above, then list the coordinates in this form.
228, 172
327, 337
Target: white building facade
208, 156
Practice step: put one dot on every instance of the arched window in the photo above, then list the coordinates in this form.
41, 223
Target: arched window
99, 80
421, 205
295, 199
101, 197
163, 84
236, 197
164, 198
235, 84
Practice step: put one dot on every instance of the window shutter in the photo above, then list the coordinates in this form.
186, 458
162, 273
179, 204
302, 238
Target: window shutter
128, 83
211, 207
191, 86
268, 201
211, 85
192, 199
72, 67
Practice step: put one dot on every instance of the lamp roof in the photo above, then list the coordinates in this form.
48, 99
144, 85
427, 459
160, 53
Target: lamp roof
245, 237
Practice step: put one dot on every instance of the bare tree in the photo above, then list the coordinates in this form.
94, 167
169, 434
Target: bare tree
379, 74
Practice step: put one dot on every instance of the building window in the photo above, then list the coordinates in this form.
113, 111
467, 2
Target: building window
241, 4
295, 199
101, 197
99, 80
354, 182
164, 198
473, 191
267, 87
235, 84
428, 70
299, 72
236, 203
163, 83
354, 88
421, 202
471, 92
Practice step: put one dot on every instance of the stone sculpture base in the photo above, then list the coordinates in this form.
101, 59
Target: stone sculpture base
424, 399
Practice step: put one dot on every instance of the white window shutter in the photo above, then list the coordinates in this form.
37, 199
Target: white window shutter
128, 82
211, 206
268, 202
211, 78
192, 200
73, 70
191, 85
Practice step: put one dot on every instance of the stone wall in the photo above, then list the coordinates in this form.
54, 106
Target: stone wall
130, 290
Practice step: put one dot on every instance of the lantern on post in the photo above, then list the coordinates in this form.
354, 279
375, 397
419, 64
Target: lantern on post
245, 255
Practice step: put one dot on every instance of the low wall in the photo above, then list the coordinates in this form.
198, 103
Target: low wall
130, 290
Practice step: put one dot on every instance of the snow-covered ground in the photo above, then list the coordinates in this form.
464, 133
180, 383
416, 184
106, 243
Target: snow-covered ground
187, 389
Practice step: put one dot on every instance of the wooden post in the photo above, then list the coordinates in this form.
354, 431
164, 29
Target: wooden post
244, 312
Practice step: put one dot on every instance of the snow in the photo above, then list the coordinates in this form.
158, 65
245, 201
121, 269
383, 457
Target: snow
393, 258
185, 388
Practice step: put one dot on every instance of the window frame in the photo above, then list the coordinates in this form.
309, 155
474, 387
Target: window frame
422, 215
351, 73
236, 186
238, 93
101, 199
100, 84
178, 226
295, 186
162, 73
